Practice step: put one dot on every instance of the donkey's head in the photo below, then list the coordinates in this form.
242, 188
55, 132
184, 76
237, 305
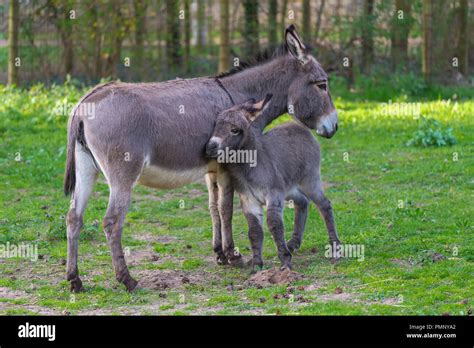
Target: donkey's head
232, 128
309, 99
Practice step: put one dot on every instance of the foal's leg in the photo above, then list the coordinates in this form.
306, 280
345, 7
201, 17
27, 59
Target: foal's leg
301, 215
254, 214
316, 194
225, 206
211, 181
86, 176
276, 227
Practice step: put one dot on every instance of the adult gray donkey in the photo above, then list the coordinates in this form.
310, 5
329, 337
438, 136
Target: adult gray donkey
155, 134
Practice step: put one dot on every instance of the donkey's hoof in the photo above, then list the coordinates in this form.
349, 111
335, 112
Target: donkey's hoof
221, 259
236, 261
286, 266
76, 286
292, 245
254, 266
130, 284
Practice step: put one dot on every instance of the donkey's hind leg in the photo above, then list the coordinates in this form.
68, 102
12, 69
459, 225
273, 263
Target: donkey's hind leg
301, 204
86, 176
122, 173
119, 202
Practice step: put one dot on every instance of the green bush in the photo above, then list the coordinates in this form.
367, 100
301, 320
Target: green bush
431, 133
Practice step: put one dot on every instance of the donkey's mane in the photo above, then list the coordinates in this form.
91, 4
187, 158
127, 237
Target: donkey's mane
261, 57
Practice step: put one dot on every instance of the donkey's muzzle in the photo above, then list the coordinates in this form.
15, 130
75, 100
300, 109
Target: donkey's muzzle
327, 125
211, 149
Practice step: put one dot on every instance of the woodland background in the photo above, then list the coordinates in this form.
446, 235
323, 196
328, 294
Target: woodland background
152, 40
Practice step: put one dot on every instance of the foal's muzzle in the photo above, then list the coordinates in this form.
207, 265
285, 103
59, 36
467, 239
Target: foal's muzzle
211, 149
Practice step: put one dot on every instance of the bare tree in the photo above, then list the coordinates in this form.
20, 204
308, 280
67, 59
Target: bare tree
427, 54
367, 35
318, 19
13, 26
251, 36
201, 25
272, 22
139, 7
306, 25
401, 25
224, 48
463, 41
173, 54
187, 34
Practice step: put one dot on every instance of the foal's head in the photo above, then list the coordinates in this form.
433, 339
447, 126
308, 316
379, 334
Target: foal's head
233, 126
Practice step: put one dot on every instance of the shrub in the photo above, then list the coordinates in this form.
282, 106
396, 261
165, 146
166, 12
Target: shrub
431, 133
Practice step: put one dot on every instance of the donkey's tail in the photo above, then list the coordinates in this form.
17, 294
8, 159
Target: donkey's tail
70, 174
76, 133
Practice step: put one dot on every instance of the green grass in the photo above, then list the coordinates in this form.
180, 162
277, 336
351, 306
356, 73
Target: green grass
404, 204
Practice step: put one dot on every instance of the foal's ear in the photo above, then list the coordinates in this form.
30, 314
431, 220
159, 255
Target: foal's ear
295, 45
259, 107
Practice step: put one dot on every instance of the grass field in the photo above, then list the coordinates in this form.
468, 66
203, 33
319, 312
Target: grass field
411, 208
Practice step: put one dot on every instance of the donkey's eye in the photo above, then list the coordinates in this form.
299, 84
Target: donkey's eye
235, 131
322, 86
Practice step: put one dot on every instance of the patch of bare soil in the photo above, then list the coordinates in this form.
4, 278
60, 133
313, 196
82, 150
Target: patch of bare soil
10, 294
273, 276
171, 279
343, 297
137, 257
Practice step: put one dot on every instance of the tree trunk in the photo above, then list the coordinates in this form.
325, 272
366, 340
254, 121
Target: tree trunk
224, 48
367, 36
401, 25
139, 7
318, 20
272, 22
427, 56
119, 28
284, 7
173, 54
306, 25
187, 34
201, 25
13, 26
463, 42
251, 27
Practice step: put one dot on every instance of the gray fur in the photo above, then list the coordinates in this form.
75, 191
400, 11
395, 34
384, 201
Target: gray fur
138, 135
288, 167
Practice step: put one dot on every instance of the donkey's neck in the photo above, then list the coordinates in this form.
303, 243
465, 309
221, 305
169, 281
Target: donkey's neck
256, 82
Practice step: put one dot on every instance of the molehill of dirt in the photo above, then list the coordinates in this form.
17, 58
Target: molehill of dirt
273, 276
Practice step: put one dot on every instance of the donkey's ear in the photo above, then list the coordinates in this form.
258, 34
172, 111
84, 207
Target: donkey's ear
295, 45
260, 107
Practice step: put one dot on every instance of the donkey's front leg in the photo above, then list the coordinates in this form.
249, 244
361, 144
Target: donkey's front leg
276, 227
225, 206
113, 224
211, 182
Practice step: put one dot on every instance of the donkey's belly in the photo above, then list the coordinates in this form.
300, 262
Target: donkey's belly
163, 178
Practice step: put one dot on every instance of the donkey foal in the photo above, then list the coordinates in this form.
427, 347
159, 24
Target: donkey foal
287, 167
